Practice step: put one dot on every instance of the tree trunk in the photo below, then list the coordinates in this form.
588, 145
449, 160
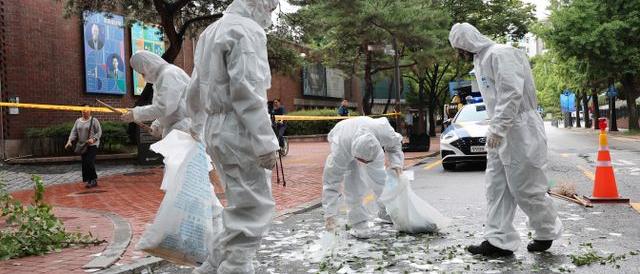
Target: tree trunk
432, 120
596, 108
390, 93
420, 128
368, 83
613, 117
578, 125
585, 107
632, 91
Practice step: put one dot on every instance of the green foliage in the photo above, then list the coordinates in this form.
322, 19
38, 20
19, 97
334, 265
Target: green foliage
552, 75
283, 55
295, 128
33, 229
605, 36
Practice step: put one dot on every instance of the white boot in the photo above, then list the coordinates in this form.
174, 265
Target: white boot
361, 230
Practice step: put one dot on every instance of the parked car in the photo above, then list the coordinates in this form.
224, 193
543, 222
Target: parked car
463, 141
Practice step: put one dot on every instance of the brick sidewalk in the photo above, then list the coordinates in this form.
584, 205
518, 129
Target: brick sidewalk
72, 259
136, 197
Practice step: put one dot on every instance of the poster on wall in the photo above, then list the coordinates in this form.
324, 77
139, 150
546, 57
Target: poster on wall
335, 83
314, 80
104, 57
149, 38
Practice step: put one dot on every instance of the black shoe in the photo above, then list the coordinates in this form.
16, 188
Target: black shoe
87, 184
539, 246
487, 249
94, 183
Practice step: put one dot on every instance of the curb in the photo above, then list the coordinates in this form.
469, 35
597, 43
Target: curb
302, 208
143, 265
122, 235
147, 265
66, 159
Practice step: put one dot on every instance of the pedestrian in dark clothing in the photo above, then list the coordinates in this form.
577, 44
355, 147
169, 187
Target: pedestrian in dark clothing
343, 110
279, 126
86, 132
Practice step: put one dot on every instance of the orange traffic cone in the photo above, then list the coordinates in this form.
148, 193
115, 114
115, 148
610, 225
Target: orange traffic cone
605, 189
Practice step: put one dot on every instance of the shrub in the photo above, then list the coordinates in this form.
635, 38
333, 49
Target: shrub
114, 138
33, 229
312, 127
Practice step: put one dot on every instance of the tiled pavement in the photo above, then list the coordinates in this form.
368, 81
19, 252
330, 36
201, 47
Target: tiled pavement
136, 196
18, 177
72, 259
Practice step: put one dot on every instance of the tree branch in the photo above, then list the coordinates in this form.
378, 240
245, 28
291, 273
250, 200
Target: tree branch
191, 21
444, 71
178, 5
410, 77
376, 70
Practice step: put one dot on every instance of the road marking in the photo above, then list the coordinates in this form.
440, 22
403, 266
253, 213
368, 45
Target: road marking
432, 165
565, 155
587, 173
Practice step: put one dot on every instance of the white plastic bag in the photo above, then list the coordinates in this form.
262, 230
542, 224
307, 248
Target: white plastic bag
409, 212
190, 214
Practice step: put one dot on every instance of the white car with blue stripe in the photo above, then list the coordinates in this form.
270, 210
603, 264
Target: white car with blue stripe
463, 141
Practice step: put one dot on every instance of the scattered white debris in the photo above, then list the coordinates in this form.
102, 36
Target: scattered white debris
423, 267
615, 234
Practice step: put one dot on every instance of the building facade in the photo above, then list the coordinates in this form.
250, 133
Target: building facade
44, 59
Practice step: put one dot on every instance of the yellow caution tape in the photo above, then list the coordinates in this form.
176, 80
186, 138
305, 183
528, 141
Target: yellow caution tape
281, 118
58, 107
107, 110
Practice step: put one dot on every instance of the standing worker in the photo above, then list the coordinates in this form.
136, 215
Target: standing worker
357, 154
227, 96
168, 104
516, 144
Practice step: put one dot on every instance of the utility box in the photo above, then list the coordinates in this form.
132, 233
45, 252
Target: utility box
145, 155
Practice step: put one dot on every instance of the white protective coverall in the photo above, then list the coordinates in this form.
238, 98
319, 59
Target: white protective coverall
364, 138
514, 175
227, 96
169, 83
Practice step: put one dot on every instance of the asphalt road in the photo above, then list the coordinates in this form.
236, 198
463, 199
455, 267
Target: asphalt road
606, 237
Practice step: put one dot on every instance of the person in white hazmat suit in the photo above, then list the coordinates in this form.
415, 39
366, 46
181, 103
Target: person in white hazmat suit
516, 145
357, 157
167, 109
227, 96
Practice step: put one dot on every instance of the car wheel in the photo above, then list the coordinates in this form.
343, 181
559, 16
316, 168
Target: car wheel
449, 166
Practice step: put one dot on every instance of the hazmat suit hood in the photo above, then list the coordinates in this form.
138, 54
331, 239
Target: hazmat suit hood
258, 10
366, 147
149, 64
465, 36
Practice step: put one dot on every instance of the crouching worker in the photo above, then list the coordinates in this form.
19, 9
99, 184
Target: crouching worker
168, 103
357, 158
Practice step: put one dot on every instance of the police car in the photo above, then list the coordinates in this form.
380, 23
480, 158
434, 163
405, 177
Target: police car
463, 141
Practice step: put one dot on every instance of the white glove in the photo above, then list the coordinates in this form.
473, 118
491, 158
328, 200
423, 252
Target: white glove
156, 131
330, 224
127, 116
267, 161
493, 140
